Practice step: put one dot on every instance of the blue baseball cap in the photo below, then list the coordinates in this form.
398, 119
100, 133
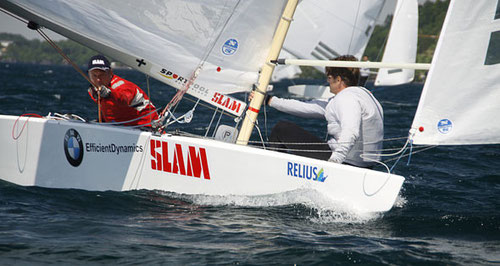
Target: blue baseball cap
98, 62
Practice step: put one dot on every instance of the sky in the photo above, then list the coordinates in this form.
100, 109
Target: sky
11, 25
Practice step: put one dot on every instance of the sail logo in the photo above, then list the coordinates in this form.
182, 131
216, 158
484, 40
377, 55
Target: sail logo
306, 171
175, 159
230, 47
444, 126
73, 147
182, 80
227, 102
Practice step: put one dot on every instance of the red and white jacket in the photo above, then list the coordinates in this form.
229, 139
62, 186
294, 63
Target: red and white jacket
126, 102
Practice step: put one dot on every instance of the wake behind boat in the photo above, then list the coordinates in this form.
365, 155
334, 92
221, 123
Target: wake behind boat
217, 50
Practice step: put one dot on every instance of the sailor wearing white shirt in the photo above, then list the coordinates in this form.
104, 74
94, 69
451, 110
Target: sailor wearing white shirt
354, 116
364, 73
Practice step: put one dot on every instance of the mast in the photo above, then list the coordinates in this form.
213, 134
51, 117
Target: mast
267, 71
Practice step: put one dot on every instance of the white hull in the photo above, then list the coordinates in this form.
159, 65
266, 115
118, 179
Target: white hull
122, 159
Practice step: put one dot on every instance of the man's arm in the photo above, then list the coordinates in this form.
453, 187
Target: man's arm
310, 109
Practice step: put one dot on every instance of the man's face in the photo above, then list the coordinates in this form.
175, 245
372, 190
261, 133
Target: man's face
101, 77
335, 84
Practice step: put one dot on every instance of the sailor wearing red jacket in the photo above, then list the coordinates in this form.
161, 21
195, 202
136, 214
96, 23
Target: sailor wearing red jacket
121, 100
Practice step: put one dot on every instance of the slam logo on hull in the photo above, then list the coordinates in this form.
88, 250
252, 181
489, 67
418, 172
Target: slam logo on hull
176, 160
306, 171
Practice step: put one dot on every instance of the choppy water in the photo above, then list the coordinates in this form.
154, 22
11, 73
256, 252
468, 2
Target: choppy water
447, 213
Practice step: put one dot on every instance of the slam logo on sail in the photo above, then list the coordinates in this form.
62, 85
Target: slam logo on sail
226, 101
175, 159
306, 171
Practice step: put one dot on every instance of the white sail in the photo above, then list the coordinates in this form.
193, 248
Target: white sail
324, 29
460, 98
311, 91
170, 39
401, 44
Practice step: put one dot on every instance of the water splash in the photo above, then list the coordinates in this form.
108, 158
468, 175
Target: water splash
319, 209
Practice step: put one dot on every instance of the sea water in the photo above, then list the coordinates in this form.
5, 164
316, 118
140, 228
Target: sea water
447, 212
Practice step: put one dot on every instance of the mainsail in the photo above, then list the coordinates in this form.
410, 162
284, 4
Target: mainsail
401, 44
221, 43
459, 101
324, 29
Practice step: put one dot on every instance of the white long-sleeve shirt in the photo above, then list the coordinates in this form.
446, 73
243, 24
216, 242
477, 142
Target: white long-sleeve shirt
355, 123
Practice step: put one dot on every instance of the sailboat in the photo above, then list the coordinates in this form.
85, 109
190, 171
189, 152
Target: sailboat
208, 49
461, 91
325, 29
336, 31
401, 45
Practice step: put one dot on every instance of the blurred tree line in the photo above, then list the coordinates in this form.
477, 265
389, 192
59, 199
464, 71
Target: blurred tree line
40, 52
430, 20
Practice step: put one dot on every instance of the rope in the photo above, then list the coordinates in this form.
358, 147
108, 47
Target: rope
322, 143
211, 121
132, 120
217, 125
14, 16
24, 125
180, 93
75, 66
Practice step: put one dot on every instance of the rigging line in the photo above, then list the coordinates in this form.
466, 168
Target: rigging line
75, 66
180, 93
321, 143
260, 134
237, 120
421, 150
211, 121
265, 121
132, 120
354, 27
150, 99
61, 52
217, 125
397, 161
14, 16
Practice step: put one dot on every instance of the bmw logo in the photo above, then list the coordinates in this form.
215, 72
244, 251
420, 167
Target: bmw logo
73, 147
230, 47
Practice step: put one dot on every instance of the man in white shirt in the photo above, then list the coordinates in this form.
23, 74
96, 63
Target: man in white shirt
364, 73
355, 122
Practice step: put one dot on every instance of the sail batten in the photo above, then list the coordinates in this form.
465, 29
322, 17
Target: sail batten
170, 39
459, 101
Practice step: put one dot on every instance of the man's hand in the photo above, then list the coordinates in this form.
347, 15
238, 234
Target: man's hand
267, 98
104, 91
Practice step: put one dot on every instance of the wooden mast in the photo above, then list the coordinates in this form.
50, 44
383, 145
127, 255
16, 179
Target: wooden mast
266, 72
